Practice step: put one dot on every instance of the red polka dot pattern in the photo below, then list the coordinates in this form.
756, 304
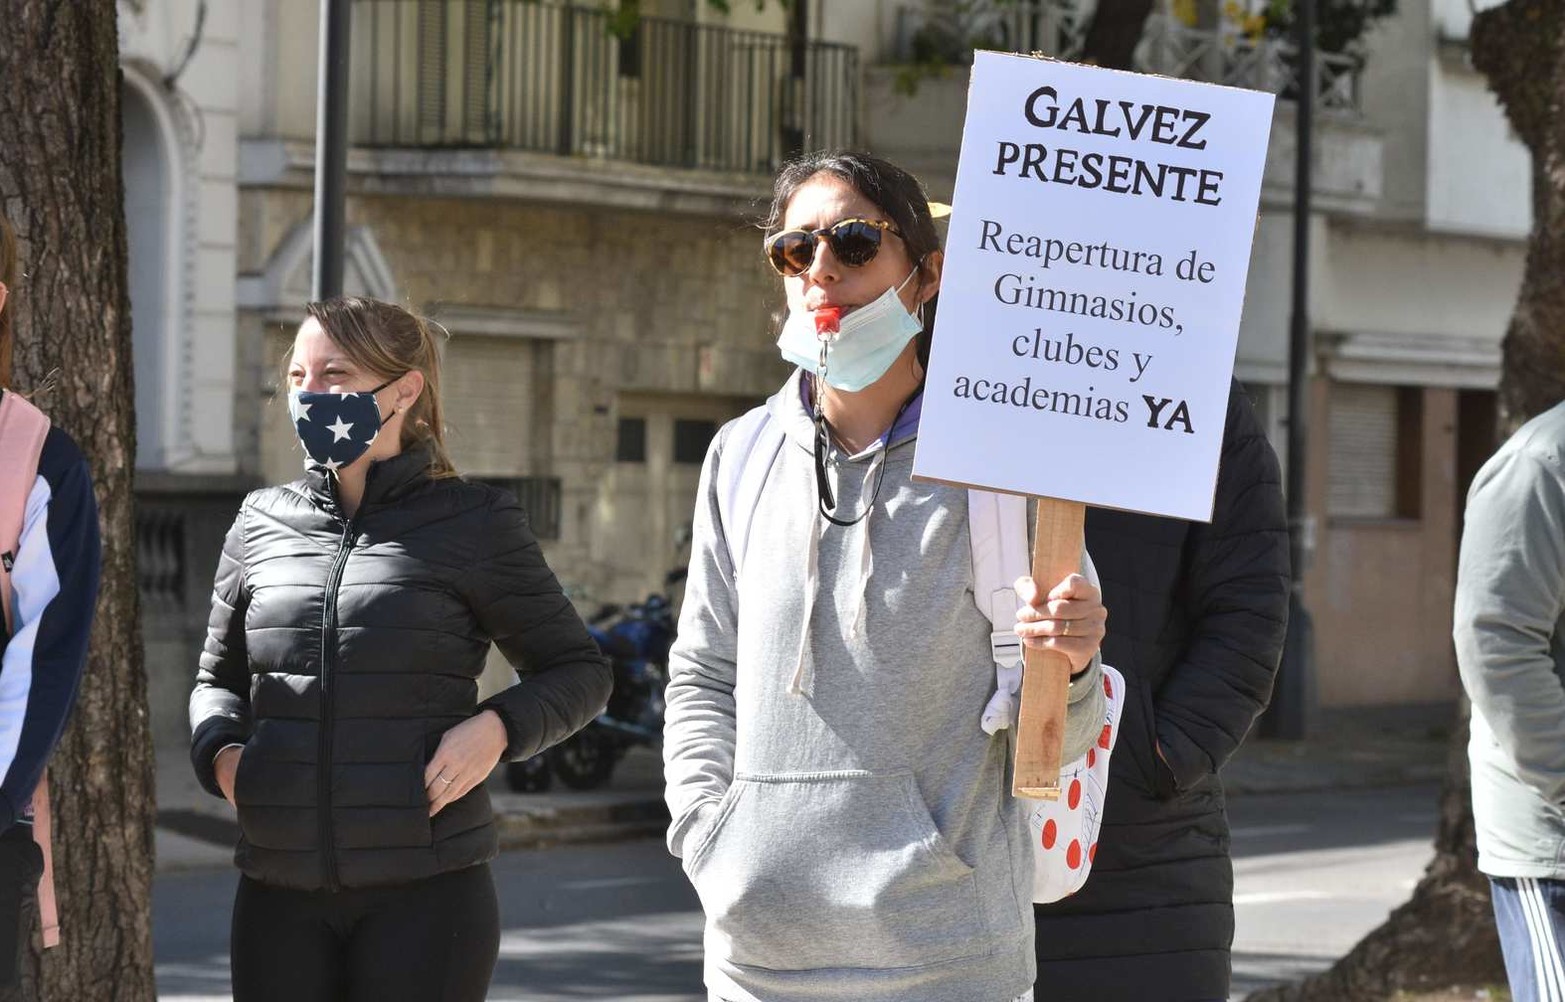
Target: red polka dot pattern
1050, 833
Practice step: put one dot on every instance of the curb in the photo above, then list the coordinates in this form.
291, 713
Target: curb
1248, 785
569, 825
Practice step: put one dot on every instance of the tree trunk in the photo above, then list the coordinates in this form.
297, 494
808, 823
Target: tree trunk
60, 186
1114, 33
1444, 936
1520, 48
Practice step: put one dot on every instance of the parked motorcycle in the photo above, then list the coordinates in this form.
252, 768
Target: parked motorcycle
636, 639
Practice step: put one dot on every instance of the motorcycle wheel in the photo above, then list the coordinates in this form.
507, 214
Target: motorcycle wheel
530, 775
583, 761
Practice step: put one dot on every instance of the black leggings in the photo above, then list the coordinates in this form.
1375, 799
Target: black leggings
433, 940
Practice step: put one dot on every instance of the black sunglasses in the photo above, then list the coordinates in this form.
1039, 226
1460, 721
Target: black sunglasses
854, 242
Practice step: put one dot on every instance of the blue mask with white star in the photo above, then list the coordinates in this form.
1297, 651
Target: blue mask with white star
335, 428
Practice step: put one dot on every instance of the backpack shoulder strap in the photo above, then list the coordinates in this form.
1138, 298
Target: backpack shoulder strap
748, 454
1002, 552
23, 429
997, 533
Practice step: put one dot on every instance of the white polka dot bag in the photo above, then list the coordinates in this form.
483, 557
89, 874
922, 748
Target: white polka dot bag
1064, 832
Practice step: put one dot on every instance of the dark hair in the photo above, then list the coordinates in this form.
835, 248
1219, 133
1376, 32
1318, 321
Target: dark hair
893, 190
389, 341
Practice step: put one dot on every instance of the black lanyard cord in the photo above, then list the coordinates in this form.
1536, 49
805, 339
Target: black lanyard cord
825, 498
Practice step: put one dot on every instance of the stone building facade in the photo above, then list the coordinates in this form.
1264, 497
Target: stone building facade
586, 235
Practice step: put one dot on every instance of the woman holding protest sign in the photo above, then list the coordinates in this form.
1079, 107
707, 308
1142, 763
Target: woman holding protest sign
840, 802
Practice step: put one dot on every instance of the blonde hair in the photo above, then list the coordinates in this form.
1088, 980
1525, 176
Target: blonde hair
388, 341
8, 310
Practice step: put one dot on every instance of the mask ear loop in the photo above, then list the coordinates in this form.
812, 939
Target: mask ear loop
394, 410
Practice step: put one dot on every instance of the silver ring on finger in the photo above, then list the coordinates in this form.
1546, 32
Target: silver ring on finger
1067, 630
443, 779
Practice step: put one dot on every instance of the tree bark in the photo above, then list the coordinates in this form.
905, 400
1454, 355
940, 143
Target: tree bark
1520, 49
60, 185
1114, 33
1445, 936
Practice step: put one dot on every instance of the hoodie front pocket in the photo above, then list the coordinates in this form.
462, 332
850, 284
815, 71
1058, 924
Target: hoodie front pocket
835, 870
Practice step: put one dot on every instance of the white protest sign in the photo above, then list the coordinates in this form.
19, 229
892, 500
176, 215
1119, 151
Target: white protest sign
1095, 267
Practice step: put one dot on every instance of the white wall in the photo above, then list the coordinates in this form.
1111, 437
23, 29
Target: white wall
198, 122
867, 24
1395, 93
1480, 175
1392, 282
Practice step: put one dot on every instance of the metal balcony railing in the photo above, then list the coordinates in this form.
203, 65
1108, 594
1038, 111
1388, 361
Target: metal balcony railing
1173, 49
1168, 47
554, 78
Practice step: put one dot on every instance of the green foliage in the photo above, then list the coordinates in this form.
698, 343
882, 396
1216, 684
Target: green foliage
1338, 23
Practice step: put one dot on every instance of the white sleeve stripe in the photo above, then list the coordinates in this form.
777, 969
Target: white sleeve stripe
35, 582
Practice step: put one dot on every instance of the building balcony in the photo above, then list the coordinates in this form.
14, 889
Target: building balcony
922, 131
1168, 48
569, 81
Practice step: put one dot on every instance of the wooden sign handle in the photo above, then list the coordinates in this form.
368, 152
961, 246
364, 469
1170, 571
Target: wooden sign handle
1040, 731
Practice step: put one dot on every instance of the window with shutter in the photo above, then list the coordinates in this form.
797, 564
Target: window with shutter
1374, 467
491, 401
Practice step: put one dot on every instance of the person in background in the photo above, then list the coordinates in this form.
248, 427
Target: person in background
336, 704
1200, 614
50, 562
1509, 628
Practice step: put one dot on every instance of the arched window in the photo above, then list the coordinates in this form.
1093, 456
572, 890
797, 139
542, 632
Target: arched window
155, 242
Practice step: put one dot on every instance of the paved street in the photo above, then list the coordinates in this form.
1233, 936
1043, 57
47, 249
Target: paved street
1314, 872
618, 922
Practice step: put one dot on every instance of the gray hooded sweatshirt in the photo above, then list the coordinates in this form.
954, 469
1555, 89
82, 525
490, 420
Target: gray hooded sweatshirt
842, 815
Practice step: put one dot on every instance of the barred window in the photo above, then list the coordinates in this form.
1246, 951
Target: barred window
631, 446
539, 498
691, 439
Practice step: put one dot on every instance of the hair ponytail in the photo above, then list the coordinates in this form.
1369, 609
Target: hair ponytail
425, 423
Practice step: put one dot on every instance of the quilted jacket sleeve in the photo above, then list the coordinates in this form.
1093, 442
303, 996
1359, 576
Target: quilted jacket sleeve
1236, 592
565, 680
220, 704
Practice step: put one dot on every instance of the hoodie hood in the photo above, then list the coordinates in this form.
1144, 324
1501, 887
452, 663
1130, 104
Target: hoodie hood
790, 407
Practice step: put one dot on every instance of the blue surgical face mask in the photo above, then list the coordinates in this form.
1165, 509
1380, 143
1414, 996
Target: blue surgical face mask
861, 351
336, 428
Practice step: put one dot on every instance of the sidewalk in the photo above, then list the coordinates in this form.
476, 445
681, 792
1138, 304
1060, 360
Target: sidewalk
1347, 749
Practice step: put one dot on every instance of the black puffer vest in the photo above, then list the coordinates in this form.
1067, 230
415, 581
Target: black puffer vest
1197, 615
341, 649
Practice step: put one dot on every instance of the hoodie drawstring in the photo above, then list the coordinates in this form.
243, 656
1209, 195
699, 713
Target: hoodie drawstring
812, 575
866, 558
858, 617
